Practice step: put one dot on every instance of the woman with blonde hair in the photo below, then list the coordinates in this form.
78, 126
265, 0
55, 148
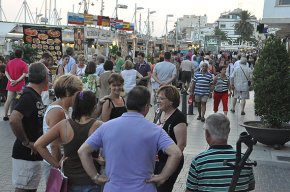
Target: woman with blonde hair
130, 76
65, 88
79, 68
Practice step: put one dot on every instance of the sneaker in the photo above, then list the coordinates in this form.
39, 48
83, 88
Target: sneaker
243, 113
6, 118
202, 119
232, 110
199, 118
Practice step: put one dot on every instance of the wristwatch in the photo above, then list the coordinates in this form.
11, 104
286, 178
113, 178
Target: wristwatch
25, 143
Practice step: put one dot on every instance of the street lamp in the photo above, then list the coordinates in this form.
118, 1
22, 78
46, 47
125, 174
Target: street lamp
168, 15
135, 30
148, 28
86, 4
121, 6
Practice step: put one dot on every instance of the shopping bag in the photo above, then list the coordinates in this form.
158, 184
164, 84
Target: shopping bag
190, 100
57, 181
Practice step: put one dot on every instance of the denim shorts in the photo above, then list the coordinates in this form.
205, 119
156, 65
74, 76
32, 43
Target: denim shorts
84, 188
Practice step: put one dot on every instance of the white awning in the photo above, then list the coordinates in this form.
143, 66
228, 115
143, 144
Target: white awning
5, 28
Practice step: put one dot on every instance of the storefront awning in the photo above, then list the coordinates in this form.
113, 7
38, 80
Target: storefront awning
6, 28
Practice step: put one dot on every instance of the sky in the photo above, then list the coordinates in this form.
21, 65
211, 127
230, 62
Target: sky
212, 8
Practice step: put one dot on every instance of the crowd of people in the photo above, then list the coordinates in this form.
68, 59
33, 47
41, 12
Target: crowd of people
93, 126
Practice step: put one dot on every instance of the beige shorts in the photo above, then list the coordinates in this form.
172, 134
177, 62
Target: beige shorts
26, 174
199, 98
241, 94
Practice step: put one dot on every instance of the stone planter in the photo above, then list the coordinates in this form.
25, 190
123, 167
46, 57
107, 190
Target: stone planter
267, 136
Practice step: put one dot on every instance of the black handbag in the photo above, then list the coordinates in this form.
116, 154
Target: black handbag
249, 82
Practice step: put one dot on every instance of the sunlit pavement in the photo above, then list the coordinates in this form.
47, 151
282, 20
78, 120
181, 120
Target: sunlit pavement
271, 174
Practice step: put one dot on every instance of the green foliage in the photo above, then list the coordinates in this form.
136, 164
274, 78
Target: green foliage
222, 34
150, 58
29, 55
244, 27
272, 83
114, 49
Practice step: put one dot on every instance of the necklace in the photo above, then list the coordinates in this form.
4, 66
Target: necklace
167, 115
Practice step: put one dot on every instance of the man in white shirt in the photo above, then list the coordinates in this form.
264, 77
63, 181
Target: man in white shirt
187, 68
239, 83
164, 72
100, 65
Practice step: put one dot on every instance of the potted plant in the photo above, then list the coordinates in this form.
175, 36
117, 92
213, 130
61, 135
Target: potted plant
272, 95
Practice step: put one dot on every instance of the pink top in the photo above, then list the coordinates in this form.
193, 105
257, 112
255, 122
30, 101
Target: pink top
15, 68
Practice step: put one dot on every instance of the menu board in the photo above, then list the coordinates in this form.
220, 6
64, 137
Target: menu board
79, 39
44, 39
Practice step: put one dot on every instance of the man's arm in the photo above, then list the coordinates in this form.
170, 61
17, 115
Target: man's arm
174, 156
154, 75
148, 75
15, 121
171, 79
17, 127
12, 81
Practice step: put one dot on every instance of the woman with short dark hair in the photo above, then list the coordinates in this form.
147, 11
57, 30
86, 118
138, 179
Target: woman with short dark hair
173, 121
90, 78
104, 77
114, 106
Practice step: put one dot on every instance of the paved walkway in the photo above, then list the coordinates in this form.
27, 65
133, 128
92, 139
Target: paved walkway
271, 174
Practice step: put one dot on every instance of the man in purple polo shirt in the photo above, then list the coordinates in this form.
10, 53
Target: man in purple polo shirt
130, 144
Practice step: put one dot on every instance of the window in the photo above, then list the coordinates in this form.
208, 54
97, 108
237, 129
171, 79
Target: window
284, 2
223, 26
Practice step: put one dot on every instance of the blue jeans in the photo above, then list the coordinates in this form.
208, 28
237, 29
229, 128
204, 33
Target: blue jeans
84, 188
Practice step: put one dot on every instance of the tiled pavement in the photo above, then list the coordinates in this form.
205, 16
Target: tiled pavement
271, 174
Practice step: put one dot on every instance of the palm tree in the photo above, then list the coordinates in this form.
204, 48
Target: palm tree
222, 34
244, 28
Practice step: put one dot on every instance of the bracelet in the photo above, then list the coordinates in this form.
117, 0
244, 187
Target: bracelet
25, 143
95, 178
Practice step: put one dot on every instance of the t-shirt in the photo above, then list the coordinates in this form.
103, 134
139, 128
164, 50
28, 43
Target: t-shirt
100, 69
15, 68
164, 71
207, 171
143, 69
129, 77
202, 83
119, 64
130, 144
186, 65
29, 104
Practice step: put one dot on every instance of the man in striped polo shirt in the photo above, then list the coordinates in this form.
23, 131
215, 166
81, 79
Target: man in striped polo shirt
207, 171
202, 86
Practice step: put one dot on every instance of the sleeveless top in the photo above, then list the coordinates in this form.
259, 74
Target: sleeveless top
221, 84
176, 118
81, 71
45, 126
117, 111
72, 166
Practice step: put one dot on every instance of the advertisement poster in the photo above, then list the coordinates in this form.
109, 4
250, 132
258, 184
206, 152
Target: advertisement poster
79, 39
44, 39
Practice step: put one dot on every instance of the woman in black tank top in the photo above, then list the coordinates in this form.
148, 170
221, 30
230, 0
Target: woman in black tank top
114, 106
72, 133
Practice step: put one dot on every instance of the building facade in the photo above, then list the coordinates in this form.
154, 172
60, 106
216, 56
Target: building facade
227, 20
